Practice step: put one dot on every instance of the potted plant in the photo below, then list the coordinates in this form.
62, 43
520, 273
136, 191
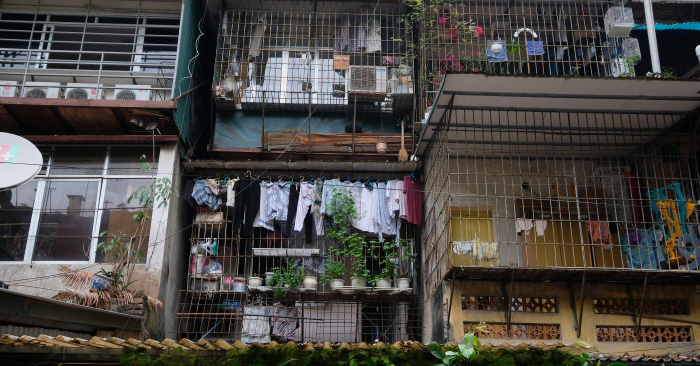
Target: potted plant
334, 269
268, 278
254, 281
402, 271
286, 279
383, 279
353, 245
310, 282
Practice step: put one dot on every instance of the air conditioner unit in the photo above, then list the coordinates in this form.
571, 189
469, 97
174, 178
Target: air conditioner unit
84, 91
367, 80
41, 89
132, 92
8, 89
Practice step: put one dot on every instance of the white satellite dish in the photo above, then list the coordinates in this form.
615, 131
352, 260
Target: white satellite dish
20, 160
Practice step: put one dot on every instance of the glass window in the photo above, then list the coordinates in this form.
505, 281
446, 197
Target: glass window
16, 206
127, 160
75, 160
66, 221
118, 217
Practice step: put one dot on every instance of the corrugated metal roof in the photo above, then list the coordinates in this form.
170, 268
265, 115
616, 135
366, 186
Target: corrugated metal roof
689, 26
111, 345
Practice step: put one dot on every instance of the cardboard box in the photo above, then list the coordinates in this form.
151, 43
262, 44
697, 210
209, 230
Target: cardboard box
406, 81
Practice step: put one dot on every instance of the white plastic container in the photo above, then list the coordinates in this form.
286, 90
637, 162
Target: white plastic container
619, 21
383, 283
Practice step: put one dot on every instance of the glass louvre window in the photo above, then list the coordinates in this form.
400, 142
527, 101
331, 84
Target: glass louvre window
129, 161
16, 206
78, 161
66, 221
118, 218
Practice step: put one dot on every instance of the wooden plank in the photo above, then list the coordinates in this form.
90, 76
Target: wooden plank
36, 119
91, 120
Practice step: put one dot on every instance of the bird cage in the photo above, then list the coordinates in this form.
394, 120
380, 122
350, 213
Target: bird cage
619, 21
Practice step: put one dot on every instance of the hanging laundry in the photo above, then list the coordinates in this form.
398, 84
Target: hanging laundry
368, 203
203, 195
278, 201
387, 224
414, 200
231, 193
640, 249
540, 227
285, 321
374, 36
292, 208
305, 200
256, 327
523, 226
261, 217
257, 37
316, 199
215, 187
246, 206
394, 193
330, 187
600, 231
462, 247
342, 36
356, 192
484, 250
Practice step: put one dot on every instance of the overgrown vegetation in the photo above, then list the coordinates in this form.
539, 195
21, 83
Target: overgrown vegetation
469, 353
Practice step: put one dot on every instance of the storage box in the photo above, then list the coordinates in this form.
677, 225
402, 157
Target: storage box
619, 21
406, 81
205, 283
209, 217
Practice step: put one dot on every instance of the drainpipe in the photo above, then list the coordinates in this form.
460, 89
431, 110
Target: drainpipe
651, 35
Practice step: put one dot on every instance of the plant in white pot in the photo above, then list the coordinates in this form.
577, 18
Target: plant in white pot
404, 266
286, 279
334, 269
353, 245
310, 282
254, 281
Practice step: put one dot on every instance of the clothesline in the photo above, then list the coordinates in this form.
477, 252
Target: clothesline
379, 206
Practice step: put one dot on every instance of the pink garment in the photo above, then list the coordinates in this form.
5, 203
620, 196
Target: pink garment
414, 200
600, 231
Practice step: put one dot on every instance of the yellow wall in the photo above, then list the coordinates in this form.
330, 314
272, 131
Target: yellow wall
565, 315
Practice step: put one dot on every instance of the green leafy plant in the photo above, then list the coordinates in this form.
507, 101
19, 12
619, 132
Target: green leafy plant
333, 266
286, 278
353, 244
468, 351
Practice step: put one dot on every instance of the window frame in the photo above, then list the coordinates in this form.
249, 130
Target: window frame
102, 180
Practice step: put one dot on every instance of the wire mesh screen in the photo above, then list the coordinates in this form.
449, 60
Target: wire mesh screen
303, 55
543, 38
251, 293
568, 190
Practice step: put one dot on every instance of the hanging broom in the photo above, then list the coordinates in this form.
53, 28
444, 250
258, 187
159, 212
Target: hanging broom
403, 154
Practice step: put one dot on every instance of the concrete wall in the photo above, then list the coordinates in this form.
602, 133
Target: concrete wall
566, 317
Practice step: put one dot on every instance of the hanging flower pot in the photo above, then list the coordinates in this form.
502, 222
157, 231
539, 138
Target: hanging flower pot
382, 147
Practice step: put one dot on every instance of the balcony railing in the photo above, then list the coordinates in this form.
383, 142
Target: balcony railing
94, 54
